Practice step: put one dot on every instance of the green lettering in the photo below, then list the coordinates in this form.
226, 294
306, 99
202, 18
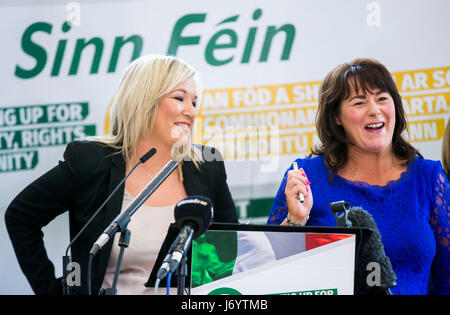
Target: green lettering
81, 44
177, 40
18, 161
289, 30
34, 50
213, 45
58, 57
118, 44
60, 51
251, 38
249, 45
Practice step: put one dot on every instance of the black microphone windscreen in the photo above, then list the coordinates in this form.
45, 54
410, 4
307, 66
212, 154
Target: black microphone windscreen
372, 253
147, 155
197, 210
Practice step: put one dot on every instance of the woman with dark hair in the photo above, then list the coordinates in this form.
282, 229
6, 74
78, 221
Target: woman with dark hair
364, 160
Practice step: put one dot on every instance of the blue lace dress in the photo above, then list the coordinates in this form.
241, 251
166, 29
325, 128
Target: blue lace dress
412, 214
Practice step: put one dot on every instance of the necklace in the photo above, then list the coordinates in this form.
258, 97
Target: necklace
150, 176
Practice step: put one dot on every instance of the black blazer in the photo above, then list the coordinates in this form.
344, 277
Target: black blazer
80, 184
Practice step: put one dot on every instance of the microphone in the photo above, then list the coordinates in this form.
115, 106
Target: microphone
122, 220
193, 216
67, 259
373, 274
371, 256
144, 158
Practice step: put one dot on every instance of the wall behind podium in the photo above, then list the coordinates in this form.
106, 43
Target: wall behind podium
261, 63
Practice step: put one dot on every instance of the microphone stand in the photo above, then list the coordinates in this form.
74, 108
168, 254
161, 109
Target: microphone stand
182, 268
67, 259
121, 222
340, 211
182, 274
124, 241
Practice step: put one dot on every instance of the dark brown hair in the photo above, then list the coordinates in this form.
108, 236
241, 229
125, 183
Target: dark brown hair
361, 74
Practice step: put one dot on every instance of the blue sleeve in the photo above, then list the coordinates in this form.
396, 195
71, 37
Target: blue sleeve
440, 223
279, 207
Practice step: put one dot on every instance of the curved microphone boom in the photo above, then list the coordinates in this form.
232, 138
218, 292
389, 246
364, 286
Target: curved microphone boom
122, 220
120, 223
142, 160
67, 258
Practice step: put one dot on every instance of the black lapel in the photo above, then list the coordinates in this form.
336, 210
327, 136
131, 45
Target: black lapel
113, 207
193, 180
117, 173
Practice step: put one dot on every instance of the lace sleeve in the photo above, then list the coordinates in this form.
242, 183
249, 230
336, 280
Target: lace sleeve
440, 223
279, 207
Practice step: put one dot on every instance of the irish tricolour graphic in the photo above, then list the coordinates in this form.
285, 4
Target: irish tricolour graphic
256, 262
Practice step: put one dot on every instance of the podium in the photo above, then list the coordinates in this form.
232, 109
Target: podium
238, 259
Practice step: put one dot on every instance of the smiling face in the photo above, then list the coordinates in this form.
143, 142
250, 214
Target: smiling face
176, 114
368, 119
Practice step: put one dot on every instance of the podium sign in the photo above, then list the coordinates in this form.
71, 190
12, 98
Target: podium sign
259, 260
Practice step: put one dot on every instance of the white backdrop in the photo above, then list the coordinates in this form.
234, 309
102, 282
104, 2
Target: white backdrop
260, 62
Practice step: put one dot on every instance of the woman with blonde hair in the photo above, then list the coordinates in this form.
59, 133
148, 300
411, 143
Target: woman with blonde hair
155, 107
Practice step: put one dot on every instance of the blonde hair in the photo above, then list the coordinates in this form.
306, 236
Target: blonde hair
446, 148
145, 81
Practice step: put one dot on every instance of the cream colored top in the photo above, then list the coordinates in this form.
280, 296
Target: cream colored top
148, 227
